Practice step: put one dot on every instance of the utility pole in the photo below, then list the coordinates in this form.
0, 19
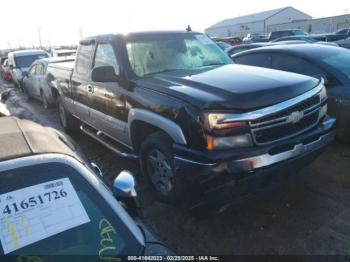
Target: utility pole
80, 30
19, 42
39, 35
9, 44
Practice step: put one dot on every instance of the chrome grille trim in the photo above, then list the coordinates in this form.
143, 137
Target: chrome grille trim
266, 126
250, 116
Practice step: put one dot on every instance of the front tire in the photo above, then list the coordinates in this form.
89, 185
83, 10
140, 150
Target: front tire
29, 98
68, 122
44, 101
157, 164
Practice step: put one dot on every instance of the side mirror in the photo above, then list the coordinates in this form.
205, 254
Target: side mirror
104, 74
124, 186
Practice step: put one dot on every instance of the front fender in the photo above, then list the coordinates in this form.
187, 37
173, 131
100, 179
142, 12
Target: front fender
163, 123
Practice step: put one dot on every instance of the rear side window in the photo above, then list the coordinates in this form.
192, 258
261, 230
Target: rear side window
83, 59
105, 56
296, 65
32, 70
262, 60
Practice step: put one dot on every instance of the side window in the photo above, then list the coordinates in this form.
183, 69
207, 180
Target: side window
39, 69
262, 60
105, 56
296, 65
83, 59
32, 71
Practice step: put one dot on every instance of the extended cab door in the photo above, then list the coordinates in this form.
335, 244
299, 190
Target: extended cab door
108, 99
81, 82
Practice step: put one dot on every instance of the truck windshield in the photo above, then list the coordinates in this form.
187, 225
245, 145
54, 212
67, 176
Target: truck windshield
26, 61
160, 53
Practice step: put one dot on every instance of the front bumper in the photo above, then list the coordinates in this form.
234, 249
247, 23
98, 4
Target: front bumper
213, 172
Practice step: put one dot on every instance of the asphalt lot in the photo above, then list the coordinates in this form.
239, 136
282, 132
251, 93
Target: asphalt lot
309, 215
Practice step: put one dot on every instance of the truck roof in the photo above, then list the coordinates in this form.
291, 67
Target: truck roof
67, 65
141, 33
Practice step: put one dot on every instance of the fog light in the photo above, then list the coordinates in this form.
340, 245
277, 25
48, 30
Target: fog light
229, 142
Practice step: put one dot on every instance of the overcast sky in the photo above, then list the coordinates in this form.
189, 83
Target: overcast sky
62, 21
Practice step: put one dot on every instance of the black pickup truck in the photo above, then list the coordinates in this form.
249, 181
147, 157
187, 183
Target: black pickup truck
202, 127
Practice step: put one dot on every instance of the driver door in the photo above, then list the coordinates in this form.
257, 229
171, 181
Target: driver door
29, 81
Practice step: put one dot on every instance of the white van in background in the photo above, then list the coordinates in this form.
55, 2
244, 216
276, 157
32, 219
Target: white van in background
63, 52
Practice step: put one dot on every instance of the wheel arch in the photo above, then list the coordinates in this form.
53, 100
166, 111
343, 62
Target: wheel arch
143, 122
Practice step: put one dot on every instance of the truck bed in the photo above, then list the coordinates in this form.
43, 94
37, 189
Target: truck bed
62, 70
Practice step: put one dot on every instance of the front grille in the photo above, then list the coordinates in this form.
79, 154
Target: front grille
278, 132
277, 126
307, 105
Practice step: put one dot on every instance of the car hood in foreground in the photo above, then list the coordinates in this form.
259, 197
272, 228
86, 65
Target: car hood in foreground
231, 86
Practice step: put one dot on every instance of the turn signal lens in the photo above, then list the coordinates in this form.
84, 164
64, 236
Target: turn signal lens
323, 111
323, 94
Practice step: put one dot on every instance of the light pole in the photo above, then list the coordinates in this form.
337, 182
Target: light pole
39, 35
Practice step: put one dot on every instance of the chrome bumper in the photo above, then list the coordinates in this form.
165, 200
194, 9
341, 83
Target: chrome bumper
249, 164
264, 160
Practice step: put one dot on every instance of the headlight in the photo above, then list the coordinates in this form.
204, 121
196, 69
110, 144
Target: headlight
323, 94
223, 134
216, 121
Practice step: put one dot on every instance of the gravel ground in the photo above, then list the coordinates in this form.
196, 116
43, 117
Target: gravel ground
309, 215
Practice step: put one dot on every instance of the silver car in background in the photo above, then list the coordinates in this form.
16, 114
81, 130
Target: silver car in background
36, 83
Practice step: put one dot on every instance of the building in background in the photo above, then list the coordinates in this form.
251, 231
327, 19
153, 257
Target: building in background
316, 26
258, 23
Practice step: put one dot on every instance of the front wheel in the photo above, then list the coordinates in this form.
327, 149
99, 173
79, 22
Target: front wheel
68, 122
44, 101
25, 90
157, 163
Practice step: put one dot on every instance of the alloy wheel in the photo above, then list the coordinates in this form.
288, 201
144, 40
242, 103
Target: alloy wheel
160, 171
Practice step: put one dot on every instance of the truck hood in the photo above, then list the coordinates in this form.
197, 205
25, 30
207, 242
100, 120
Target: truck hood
231, 86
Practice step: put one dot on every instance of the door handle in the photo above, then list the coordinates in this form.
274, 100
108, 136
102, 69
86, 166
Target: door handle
90, 89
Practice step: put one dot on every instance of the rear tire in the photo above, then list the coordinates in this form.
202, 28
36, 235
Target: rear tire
68, 122
157, 164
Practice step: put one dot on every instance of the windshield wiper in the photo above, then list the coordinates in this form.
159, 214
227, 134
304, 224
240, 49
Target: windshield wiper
163, 71
213, 64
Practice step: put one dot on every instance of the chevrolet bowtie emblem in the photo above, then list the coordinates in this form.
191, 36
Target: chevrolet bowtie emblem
295, 117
